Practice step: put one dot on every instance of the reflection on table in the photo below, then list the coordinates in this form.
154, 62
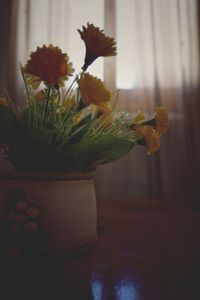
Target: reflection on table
140, 254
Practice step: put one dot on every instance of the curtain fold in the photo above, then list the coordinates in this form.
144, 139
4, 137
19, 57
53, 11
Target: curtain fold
158, 64
6, 41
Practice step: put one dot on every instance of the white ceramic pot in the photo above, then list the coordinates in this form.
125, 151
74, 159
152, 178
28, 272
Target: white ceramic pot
53, 212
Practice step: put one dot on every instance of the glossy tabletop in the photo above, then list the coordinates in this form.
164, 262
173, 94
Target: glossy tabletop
140, 254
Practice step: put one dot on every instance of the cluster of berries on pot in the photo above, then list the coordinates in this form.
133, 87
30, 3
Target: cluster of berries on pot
22, 216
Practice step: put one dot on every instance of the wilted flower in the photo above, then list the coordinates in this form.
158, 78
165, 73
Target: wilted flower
151, 138
96, 43
48, 64
161, 119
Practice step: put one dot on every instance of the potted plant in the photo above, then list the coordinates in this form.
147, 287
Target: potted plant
56, 142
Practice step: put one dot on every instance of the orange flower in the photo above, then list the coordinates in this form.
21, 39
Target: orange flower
93, 90
151, 138
48, 64
96, 43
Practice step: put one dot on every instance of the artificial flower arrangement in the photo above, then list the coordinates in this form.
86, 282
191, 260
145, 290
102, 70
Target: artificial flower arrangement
73, 129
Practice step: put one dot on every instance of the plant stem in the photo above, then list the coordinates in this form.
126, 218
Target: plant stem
71, 85
46, 107
28, 94
52, 112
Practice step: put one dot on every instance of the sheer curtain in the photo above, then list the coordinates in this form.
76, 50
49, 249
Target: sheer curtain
157, 63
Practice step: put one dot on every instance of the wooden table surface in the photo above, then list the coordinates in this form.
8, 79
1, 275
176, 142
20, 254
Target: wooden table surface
140, 254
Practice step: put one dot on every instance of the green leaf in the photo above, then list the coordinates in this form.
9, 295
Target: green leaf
78, 132
32, 149
99, 150
109, 147
35, 140
9, 125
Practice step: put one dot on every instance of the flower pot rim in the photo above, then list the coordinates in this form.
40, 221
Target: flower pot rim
51, 175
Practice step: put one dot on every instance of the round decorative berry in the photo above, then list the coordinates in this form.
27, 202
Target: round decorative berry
21, 206
33, 213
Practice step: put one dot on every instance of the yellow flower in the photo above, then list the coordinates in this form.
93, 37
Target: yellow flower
96, 43
48, 64
93, 90
151, 138
161, 118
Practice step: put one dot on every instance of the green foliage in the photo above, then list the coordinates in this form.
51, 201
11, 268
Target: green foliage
60, 131
9, 125
35, 150
74, 129
58, 140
